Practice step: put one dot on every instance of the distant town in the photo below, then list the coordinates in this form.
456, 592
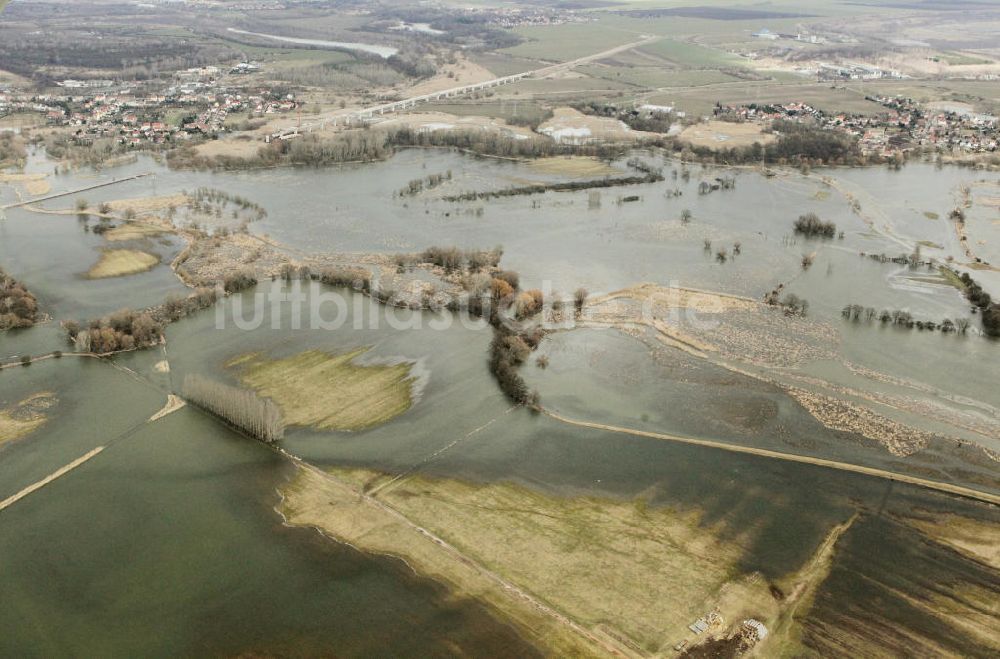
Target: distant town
905, 125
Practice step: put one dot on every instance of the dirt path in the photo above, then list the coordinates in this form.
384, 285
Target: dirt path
62, 471
402, 476
174, 403
508, 588
791, 457
807, 582
78, 190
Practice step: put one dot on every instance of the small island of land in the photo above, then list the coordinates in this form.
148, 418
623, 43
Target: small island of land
328, 391
122, 262
22, 418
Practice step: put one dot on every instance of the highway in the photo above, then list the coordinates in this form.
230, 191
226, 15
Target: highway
357, 115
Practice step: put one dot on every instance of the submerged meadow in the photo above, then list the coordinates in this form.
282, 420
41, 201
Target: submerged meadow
395, 425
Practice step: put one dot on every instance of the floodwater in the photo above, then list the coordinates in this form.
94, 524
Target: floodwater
167, 543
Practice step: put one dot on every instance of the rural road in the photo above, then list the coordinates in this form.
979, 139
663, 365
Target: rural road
791, 457
67, 193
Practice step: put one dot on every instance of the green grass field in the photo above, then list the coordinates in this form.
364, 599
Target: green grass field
561, 43
506, 109
331, 392
692, 55
564, 86
700, 100
960, 59
652, 77
505, 65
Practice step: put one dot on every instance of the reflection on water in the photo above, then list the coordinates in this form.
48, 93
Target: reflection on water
167, 542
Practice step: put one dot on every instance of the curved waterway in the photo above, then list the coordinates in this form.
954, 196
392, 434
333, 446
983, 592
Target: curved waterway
384, 52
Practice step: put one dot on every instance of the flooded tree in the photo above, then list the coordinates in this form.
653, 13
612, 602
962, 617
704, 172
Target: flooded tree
811, 225
258, 417
18, 306
793, 305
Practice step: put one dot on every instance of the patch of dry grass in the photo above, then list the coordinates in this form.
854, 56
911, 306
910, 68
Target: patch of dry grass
133, 231
725, 135
898, 439
25, 417
572, 125
122, 262
339, 509
645, 572
975, 538
233, 148
33, 184
330, 392
573, 166
144, 205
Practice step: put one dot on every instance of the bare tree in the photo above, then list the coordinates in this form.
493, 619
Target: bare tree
244, 409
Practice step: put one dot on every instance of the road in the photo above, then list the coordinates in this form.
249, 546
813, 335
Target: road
948, 488
62, 471
77, 191
346, 117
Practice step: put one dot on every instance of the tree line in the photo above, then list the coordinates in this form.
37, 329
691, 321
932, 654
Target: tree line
900, 318
418, 185
127, 329
366, 145
989, 311
560, 186
122, 330
244, 409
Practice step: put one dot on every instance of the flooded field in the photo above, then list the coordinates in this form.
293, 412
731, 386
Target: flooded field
192, 511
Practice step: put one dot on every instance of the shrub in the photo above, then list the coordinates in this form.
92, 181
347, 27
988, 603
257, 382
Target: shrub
358, 278
449, 258
810, 225
507, 351
239, 281
500, 289
528, 303
510, 277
